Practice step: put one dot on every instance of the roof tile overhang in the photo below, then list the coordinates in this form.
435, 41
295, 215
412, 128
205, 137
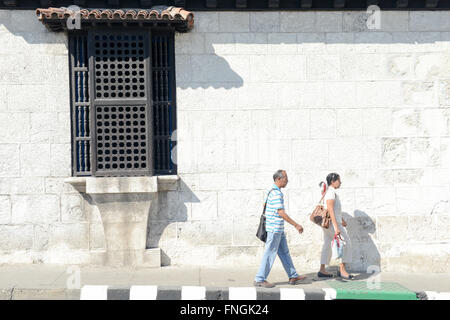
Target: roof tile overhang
55, 19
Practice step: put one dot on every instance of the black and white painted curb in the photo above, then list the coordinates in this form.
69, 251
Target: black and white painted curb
94, 292
152, 292
433, 295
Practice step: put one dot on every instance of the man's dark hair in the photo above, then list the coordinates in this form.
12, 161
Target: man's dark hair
278, 174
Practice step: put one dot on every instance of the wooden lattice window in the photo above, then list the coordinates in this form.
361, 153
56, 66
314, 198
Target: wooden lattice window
163, 93
122, 102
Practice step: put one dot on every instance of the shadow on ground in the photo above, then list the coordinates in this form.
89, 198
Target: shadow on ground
313, 278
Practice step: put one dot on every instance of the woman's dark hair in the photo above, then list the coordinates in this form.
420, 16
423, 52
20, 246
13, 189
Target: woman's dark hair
332, 177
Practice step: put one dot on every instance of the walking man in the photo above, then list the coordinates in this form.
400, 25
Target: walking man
276, 240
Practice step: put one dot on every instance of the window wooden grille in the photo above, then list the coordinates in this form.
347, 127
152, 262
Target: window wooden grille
163, 79
80, 107
122, 102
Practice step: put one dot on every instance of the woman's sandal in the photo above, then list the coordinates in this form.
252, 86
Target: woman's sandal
346, 278
323, 275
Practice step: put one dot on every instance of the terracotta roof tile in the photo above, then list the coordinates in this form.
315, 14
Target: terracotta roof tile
179, 17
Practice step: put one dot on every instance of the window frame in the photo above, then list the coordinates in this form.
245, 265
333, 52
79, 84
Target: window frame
152, 156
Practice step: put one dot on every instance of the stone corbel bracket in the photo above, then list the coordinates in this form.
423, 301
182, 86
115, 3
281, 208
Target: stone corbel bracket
123, 203
92, 185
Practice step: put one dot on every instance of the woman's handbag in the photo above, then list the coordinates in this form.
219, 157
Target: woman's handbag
320, 215
261, 233
337, 247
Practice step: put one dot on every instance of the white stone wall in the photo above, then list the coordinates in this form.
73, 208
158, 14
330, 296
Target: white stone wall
313, 93
42, 219
308, 92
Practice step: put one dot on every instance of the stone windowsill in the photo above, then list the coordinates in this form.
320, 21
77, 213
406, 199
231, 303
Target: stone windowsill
144, 184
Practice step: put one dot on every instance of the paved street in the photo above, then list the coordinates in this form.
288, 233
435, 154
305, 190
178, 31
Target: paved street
55, 281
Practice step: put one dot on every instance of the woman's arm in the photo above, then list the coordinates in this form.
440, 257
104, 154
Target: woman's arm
330, 206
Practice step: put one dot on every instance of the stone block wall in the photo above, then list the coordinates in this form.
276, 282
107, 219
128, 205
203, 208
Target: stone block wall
313, 93
42, 219
308, 92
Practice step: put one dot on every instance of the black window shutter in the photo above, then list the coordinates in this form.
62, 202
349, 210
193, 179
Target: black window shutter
164, 97
80, 101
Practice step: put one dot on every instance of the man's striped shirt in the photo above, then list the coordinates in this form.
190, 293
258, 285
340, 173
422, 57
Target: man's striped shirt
274, 223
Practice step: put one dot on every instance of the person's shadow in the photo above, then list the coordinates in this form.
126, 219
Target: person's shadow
365, 255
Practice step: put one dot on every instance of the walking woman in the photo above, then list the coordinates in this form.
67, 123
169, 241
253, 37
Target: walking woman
337, 227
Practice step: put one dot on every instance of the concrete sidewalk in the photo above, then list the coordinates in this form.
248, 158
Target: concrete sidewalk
61, 282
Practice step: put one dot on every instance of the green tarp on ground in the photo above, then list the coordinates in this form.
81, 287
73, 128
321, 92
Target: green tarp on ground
368, 290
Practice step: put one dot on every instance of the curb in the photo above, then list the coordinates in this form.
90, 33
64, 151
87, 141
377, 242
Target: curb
153, 292
433, 295
39, 294
216, 293
89, 292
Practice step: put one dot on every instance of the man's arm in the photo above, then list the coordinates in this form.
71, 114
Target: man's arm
288, 219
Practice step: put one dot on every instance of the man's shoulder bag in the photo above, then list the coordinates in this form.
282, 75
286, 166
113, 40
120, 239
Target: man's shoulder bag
261, 233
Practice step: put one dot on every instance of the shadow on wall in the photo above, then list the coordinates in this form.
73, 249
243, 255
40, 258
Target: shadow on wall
168, 207
201, 63
365, 255
221, 65
204, 71
25, 24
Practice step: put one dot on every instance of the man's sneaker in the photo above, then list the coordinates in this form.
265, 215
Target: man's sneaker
264, 284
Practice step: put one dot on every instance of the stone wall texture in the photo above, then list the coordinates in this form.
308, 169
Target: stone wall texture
308, 92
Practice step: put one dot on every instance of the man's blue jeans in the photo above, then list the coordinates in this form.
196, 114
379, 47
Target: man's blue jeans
275, 244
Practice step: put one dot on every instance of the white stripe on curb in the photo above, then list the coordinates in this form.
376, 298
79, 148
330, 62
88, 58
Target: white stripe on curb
242, 293
193, 293
433, 295
94, 293
143, 292
330, 293
292, 294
